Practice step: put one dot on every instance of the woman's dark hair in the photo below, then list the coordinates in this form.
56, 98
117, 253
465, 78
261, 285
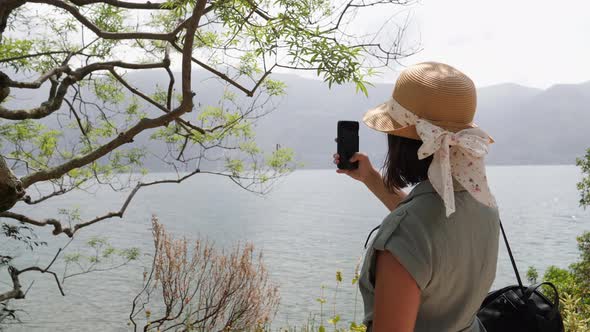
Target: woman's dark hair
402, 166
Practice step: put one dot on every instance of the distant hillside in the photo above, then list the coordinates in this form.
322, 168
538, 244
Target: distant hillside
530, 126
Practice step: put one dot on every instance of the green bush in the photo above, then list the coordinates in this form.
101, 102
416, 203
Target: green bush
573, 283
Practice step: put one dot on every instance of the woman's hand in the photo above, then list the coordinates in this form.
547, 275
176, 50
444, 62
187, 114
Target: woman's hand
364, 173
371, 177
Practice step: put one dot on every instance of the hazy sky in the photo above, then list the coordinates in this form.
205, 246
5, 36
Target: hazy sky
535, 43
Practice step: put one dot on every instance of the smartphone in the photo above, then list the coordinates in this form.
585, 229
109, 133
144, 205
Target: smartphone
348, 143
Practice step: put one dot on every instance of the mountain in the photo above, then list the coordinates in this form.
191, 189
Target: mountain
530, 126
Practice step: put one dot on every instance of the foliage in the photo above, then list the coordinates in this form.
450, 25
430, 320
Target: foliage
98, 256
20, 233
584, 184
573, 285
102, 257
573, 320
8, 315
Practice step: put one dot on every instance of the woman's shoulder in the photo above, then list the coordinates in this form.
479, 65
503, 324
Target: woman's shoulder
419, 214
424, 205
407, 233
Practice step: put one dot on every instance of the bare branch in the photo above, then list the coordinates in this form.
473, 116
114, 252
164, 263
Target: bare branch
60, 192
16, 291
57, 227
69, 231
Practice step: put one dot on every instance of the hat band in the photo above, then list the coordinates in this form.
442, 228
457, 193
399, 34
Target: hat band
400, 114
405, 117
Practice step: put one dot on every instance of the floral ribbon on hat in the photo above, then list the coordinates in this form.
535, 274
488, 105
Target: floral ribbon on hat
455, 155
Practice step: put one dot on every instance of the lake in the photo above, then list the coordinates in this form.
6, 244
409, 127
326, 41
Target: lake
312, 224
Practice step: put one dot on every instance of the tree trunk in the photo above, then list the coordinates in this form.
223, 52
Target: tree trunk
11, 190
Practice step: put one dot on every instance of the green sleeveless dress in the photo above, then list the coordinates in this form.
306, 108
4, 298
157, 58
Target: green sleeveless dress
453, 260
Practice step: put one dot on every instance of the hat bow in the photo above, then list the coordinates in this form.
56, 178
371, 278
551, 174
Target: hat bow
458, 155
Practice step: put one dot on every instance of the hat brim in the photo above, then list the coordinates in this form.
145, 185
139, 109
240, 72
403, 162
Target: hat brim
378, 118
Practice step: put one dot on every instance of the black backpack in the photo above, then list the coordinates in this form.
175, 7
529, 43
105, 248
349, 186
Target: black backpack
517, 308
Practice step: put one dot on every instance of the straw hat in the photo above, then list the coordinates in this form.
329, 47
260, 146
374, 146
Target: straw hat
432, 91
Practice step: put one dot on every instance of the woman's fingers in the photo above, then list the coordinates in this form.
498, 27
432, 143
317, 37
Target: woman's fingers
357, 156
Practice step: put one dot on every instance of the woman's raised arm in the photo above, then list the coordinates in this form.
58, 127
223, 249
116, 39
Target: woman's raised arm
371, 177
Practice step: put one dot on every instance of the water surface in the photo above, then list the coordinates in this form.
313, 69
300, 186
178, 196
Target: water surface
312, 224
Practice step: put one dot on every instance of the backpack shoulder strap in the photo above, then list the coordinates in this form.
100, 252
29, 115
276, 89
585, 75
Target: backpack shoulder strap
511, 257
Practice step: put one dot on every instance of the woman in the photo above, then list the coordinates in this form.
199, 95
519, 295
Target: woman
433, 259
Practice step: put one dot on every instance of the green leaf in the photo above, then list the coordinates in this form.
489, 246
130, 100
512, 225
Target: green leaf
584, 185
130, 253
96, 242
14, 48
235, 166
280, 159
334, 320
361, 86
357, 328
71, 258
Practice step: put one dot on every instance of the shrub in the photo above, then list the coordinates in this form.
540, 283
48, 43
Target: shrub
194, 287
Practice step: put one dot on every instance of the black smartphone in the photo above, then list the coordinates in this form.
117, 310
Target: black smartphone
348, 143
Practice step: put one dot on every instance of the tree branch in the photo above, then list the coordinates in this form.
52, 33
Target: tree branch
143, 124
11, 189
153, 102
57, 227
20, 57
226, 78
125, 4
16, 291
134, 5
55, 102
218, 73
69, 231
60, 192
37, 83
171, 36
